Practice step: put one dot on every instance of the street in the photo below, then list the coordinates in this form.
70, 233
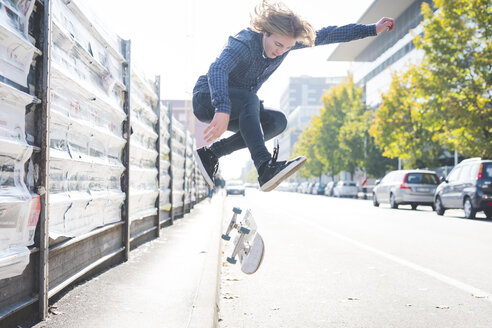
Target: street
343, 263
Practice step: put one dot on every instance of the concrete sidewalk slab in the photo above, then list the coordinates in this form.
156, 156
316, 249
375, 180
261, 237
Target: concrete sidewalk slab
172, 281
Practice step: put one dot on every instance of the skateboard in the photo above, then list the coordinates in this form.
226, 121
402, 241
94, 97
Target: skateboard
248, 244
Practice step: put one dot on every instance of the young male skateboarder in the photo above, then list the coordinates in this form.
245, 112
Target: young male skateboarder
226, 96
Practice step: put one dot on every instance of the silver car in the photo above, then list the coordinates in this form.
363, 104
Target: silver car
345, 189
413, 187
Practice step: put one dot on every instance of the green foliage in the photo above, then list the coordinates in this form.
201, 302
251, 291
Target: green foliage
458, 57
305, 146
338, 138
445, 101
404, 127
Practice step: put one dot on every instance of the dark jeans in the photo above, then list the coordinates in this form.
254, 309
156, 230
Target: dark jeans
251, 122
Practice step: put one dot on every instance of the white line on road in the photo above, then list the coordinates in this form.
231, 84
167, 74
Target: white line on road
448, 280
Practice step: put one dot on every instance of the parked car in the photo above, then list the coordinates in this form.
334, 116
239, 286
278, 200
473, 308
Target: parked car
307, 188
329, 188
318, 189
468, 186
345, 189
413, 187
310, 188
301, 187
235, 187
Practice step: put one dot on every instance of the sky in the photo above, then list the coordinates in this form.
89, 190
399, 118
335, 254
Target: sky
179, 39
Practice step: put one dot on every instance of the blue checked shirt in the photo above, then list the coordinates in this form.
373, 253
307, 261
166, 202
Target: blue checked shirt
242, 65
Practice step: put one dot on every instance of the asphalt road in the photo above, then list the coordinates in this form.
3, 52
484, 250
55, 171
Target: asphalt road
344, 263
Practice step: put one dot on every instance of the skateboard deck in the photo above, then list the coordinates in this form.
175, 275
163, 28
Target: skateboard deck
248, 244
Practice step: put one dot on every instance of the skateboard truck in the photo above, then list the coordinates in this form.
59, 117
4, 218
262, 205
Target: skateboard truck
240, 243
232, 224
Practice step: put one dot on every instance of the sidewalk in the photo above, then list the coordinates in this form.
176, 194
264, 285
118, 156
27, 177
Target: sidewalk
169, 282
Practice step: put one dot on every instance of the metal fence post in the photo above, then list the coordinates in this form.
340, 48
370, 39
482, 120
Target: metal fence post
45, 166
184, 176
170, 114
126, 160
158, 164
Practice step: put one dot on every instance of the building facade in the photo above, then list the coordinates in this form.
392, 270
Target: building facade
305, 91
183, 112
377, 58
299, 102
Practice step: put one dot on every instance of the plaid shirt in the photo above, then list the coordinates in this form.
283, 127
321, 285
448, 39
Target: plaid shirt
242, 65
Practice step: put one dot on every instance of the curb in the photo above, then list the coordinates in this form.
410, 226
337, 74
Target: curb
205, 305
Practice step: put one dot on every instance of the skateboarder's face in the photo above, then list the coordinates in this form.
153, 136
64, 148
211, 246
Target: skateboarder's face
276, 44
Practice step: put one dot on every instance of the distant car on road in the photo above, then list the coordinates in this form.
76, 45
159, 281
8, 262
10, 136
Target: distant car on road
235, 187
329, 188
345, 189
468, 186
318, 189
413, 187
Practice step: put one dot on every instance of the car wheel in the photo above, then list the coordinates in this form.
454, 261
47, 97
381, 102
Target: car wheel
375, 200
488, 213
469, 210
414, 206
393, 202
438, 206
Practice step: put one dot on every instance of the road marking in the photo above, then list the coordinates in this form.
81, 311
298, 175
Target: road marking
439, 276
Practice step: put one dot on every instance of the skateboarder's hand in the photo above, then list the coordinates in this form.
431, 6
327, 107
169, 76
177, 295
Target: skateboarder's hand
216, 127
385, 23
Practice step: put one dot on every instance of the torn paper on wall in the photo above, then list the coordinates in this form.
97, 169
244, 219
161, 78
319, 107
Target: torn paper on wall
16, 51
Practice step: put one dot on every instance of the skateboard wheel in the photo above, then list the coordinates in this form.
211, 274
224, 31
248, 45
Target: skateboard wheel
226, 237
244, 230
231, 260
237, 210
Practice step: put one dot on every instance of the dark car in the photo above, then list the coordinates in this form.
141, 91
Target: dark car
318, 189
468, 186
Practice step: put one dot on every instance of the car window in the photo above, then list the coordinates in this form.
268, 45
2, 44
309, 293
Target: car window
429, 178
486, 170
422, 178
414, 178
453, 176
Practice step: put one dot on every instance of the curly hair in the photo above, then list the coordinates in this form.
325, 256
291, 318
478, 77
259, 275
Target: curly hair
276, 17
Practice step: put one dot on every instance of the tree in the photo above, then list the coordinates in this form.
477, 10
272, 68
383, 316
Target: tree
403, 126
331, 119
444, 102
457, 43
338, 138
306, 146
346, 126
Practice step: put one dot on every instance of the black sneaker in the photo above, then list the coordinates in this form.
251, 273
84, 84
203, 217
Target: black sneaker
275, 172
208, 164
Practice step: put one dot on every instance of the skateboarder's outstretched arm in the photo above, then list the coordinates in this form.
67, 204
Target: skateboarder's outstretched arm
350, 32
